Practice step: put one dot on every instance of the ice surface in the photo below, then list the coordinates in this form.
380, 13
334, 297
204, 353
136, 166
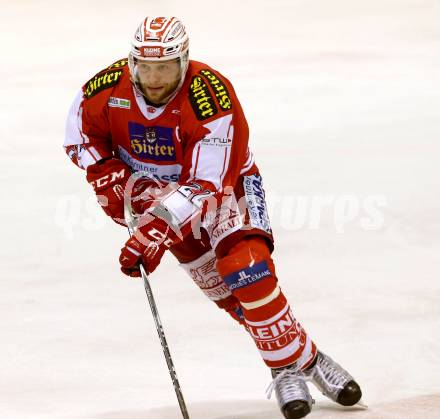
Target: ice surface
343, 100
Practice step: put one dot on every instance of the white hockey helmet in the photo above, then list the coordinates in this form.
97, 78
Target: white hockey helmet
159, 39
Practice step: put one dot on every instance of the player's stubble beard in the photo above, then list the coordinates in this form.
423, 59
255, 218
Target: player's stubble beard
161, 97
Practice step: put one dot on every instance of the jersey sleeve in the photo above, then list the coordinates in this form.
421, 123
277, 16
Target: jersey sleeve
87, 136
217, 148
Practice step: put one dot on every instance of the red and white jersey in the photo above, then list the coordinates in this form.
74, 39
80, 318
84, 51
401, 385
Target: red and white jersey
201, 134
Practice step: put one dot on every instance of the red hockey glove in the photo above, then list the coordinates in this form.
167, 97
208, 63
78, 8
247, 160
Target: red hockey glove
146, 246
145, 194
108, 178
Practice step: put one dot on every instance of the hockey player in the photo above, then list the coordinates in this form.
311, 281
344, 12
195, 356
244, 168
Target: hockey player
181, 121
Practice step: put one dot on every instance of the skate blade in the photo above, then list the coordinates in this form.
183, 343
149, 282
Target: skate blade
361, 404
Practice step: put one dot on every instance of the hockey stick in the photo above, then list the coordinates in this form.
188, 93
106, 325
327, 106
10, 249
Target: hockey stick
131, 224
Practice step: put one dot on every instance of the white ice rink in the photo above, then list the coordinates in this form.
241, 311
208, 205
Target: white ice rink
343, 101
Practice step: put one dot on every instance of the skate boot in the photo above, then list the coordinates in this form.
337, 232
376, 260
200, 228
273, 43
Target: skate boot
333, 381
292, 393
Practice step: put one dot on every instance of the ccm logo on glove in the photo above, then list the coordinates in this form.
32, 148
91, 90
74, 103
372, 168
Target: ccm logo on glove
109, 179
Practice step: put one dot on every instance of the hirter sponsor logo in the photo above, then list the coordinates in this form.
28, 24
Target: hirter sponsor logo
100, 82
248, 276
155, 143
220, 90
201, 99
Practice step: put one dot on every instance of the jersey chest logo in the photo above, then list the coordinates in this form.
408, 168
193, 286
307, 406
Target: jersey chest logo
153, 143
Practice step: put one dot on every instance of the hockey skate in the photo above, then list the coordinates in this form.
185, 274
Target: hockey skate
333, 381
330, 378
291, 391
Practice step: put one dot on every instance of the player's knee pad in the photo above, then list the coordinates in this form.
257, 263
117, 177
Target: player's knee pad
249, 272
204, 273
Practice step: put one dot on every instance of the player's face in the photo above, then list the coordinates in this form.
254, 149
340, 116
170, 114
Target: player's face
158, 80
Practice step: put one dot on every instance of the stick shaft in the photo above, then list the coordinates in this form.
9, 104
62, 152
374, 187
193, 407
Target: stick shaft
164, 344
131, 224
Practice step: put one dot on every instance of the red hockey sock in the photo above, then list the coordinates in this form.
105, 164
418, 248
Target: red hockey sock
249, 272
